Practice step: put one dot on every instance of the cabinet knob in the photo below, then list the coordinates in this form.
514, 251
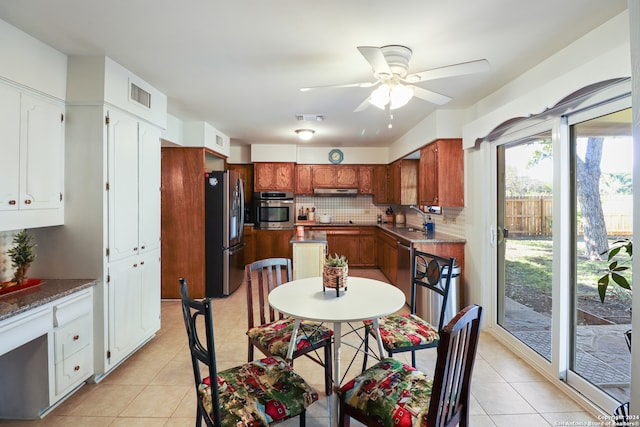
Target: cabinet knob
141, 262
142, 247
12, 202
27, 202
135, 265
135, 249
76, 337
76, 368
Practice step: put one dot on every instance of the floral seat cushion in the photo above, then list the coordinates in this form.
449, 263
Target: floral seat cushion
393, 393
275, 336
405, 330
258, 393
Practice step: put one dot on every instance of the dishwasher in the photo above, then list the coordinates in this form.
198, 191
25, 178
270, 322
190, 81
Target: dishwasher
403, 278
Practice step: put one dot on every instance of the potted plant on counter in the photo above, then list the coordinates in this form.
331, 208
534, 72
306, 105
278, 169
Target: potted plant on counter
335, 272
21, 256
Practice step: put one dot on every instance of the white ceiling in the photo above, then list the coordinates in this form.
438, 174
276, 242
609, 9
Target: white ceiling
239, 64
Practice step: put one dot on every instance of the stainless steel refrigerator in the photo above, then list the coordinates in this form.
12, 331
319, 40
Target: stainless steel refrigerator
224, 240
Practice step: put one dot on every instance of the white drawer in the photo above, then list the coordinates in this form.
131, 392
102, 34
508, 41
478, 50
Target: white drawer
73, 337
73, 308
72, 371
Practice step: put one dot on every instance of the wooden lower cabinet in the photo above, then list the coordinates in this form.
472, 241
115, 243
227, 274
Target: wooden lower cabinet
358, 244
250, 244
388, 256
273, 244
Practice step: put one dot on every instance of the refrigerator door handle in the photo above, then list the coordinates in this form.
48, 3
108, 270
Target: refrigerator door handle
237, 248
241, 188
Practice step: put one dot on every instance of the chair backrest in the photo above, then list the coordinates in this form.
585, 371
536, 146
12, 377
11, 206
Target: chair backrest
433, 273
194, 312
271, 272
454, 365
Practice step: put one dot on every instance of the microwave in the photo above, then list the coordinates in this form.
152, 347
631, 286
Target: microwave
274, 210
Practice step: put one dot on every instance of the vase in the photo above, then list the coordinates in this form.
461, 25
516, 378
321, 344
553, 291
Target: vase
335, 275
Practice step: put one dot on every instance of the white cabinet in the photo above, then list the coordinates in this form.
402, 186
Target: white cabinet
112, 212
134, 158
32, 161
45, 354
134, 300
73, 343
308, 259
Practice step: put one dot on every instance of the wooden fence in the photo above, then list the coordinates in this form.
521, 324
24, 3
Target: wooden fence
532, 216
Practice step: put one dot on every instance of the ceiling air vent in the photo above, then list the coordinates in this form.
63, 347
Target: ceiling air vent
140, 95
310, 117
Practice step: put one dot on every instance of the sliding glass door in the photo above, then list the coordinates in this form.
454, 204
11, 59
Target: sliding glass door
525, 240
602, 156
564, 202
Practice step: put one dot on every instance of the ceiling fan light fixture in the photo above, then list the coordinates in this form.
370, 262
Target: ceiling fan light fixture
400, 95
380, 96
395, 95
305, 134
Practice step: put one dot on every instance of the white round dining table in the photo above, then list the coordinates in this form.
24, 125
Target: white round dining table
364, 299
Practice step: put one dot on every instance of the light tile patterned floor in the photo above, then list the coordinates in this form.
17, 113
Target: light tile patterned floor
154, 387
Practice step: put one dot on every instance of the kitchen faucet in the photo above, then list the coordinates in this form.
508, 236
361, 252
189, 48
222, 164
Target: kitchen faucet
424, 217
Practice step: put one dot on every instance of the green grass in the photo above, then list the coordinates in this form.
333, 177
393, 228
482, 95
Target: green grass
529, 261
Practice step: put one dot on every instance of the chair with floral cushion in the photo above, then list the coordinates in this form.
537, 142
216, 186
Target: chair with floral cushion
273, 334
393, 394
260, 393
409, 332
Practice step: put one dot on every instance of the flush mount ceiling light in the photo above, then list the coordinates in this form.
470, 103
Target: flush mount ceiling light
305, 134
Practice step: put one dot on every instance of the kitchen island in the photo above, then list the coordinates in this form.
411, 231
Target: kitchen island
309, 252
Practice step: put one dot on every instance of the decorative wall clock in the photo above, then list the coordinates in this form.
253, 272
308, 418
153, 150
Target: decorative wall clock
336, 156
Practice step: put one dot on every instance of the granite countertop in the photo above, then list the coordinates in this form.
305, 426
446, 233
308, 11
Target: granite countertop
49, 290
416, 235
405, 232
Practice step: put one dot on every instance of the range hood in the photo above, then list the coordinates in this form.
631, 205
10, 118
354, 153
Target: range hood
335, 191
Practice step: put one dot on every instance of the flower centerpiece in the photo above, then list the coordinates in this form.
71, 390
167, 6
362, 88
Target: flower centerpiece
335, 271
21, 255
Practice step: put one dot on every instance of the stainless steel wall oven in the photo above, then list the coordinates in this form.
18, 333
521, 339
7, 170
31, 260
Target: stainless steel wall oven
274, 210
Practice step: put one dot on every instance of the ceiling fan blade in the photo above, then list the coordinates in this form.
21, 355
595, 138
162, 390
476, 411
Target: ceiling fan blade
364, 84
429, 96
471, 67
376, 59
363, 106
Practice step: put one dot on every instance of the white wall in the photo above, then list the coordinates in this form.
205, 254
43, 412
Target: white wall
600, 55
438, 125
31, 63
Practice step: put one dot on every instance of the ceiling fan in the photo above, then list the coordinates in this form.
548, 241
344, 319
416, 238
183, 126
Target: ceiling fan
396, 87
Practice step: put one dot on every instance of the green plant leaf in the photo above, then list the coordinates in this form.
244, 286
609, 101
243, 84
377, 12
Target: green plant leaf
603, 283
620, 281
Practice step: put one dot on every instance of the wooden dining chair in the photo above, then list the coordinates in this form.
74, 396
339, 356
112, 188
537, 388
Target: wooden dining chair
409, 332
260, 393
272, 334
392, 393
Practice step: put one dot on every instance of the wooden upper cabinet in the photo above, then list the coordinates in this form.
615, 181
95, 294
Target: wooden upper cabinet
246, 173
380, 193
403, 182
330, 176
303, 180
442, 174
365, 179
273, 176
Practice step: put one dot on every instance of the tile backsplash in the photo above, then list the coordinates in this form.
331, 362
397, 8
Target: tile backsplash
6, 243
362, 210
